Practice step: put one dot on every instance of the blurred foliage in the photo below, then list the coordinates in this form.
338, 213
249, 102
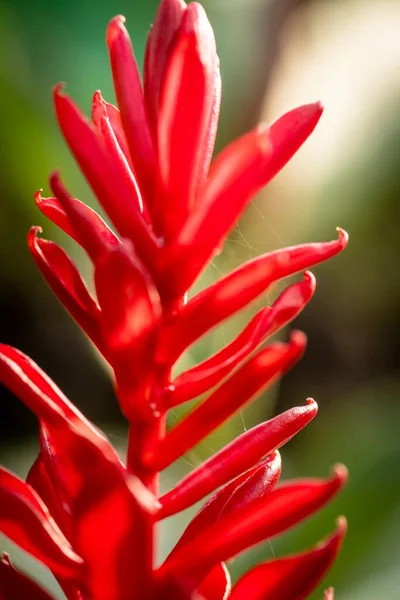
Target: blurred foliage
353, 322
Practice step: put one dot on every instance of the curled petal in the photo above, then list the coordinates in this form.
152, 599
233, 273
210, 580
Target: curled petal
210, 372
112, 192
255, 375
237, 174
128, 89
22, 376
293, 577
238, 456
53, 209
14, 584
107, 135
166, 23
26, 521
96, 244
233, 292
188, 116
261, 519
255, 482
65, 281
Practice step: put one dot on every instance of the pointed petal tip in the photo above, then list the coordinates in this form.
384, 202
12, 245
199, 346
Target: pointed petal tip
340, 474
298, 339
312, 110
341, 526
97, 97
58, 90
329, 594
38, 196
309, 278
343, 237
34, 231
312, 404
115, 27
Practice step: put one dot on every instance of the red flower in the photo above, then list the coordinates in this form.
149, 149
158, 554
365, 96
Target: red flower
82, 512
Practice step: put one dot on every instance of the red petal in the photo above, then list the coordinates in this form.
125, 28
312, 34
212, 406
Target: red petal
329, 594
188, 117
96, 243
261, 519
65, 281
26, 521
238, 173
54, 211
41, 482
114, 117
294, 577
103, 498
118, 158
254, 482
233, 292
95, 486
92, 157
238, 456
128, 89
38, 478
217, 584
129, 301
255, 375
166, 23
130, 309
14, 585
212, 371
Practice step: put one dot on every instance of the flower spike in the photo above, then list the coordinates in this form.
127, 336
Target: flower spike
85, 513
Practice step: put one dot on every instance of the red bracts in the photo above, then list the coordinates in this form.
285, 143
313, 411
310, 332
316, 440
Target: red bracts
85, 514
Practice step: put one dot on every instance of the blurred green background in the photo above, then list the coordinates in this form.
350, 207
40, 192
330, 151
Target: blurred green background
274, 54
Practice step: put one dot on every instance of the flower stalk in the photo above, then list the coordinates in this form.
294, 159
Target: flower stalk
87, 515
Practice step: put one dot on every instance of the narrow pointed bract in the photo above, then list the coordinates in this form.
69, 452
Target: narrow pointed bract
238, 456
87, 515
294, 577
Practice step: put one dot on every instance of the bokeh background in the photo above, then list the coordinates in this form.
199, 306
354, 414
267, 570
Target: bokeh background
274, 54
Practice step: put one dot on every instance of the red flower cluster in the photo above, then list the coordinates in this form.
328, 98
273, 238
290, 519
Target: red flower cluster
89, 517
